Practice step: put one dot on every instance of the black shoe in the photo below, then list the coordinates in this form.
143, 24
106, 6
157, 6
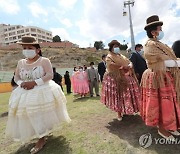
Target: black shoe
91, 95
97, 95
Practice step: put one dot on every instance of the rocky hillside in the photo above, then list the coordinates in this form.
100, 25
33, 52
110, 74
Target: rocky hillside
60, 57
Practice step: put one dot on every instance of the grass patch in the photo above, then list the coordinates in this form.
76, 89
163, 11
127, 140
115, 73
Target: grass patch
93, 130
4, 97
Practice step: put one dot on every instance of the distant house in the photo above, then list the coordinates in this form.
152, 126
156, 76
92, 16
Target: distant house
64, 44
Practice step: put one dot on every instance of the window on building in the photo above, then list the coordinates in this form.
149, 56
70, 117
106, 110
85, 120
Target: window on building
22, 31
17, 27
14, 38
6, 39
18, 32
33, 34
39, 31
13, 28
9, 28
33, 30
27, 30
19, 36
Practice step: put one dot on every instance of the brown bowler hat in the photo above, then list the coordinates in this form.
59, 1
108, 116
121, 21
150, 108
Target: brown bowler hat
113, 42
153, 20
28, 40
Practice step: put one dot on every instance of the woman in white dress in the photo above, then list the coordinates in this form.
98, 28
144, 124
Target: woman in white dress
38, 104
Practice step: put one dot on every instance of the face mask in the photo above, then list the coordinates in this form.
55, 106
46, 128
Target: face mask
116, 50
161, 35
141, 52
29, 53
80, 69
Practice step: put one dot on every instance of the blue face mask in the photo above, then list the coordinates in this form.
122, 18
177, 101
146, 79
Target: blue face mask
161, 35
116, 50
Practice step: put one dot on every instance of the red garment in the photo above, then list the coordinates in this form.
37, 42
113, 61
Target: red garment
159, 106
128, 103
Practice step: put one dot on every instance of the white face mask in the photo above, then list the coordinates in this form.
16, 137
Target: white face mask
141, 52
80, 69
29, 53
116, 50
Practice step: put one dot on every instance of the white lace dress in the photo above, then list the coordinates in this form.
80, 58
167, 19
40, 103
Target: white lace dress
34, 113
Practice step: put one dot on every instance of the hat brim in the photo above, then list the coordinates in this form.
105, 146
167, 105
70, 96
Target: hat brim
22, 43
153, 23
114, 43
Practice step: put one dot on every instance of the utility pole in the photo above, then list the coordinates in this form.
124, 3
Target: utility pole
128, 3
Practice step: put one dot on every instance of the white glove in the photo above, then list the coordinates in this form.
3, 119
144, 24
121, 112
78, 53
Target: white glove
172, 63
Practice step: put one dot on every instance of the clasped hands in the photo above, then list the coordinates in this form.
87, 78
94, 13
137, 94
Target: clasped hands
28, 85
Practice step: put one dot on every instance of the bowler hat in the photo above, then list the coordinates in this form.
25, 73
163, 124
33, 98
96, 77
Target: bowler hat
113, 42
152, 20
28, 40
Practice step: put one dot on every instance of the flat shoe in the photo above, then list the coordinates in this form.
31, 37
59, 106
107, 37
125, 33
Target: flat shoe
176, 133
119, 119
169, 138
35, 150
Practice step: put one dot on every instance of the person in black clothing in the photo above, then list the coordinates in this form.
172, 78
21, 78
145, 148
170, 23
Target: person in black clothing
13, 83
176, 48
67, 82
138, 61
84, 68
57, 78
102, 67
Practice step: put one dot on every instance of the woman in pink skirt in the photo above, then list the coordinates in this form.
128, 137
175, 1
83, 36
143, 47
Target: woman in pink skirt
160, 83
81, 82
120, 90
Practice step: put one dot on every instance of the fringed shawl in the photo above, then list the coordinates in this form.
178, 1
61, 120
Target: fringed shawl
114, 62
155, 54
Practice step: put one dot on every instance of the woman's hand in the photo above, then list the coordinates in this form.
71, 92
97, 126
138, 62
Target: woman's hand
28, 85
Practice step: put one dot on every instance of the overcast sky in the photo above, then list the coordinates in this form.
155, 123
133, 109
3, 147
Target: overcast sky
85, 21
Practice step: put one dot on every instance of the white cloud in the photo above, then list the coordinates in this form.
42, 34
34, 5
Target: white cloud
9, 6
66, 22
81, 43
63, 34
37, 10
67, 3
105, 20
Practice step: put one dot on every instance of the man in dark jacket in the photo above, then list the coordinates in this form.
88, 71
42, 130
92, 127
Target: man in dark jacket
57, 78
102, 67
67, 82
138, 61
